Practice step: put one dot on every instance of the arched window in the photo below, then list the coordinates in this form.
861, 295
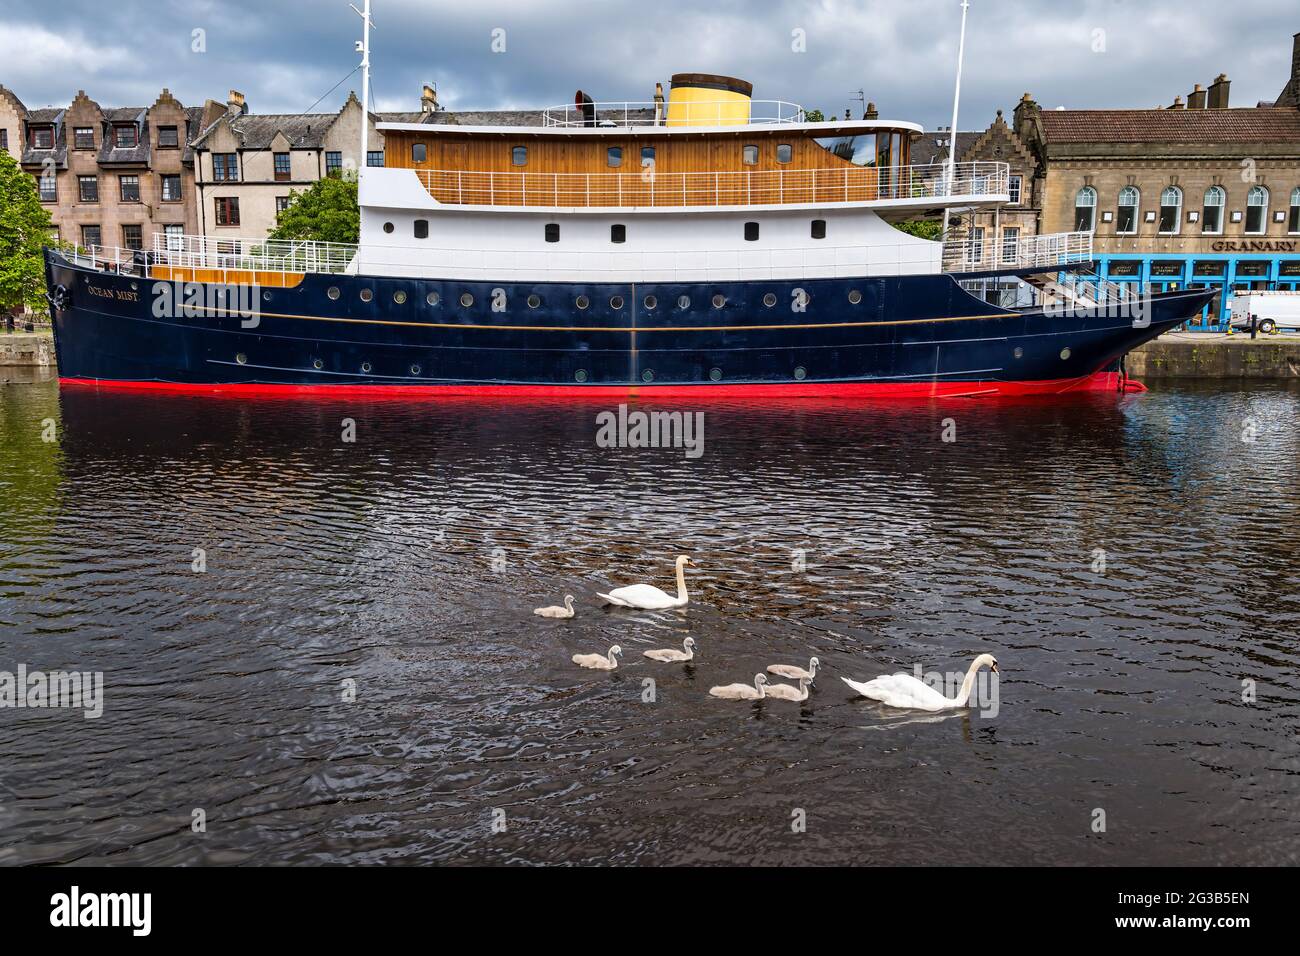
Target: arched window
1129, 201
1257, 210
1085, 210
1212, 214
1293, 222
1171, 210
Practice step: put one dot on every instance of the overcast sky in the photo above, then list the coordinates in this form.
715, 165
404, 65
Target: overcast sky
285, 55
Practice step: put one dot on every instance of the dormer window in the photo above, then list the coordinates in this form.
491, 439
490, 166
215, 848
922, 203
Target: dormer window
42, 137
83, 137
125, 137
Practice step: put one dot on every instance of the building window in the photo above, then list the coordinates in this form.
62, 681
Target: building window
749, 155
88, 188
1257, 210
977, 244
90, 236
819, 228
282, 167
1171, 210
333, 164
519, 156
83, 137
614, 156
171, 187
618, 232
168, 138
375, 157
175, 237
282, 203
751, 232
1013, 188
1212, 213
4, 139
647, 155
1085, 209
421, 229
227, 210
133, 236
48, 186
552, 232
130, 187
419, 152
125, 137
1127, 219
1010, 243
225, 168
784, 152
42, 137
1293, 222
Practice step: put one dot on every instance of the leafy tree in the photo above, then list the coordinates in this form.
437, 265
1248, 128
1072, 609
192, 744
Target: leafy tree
326, 212
814, 116
922, 228
24, 228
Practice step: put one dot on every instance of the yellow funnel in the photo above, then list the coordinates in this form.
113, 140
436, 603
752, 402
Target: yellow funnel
703, 99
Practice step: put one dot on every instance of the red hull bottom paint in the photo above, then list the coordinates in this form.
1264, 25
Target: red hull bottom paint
1097, 382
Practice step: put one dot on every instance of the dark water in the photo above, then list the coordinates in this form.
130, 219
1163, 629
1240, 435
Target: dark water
374, 562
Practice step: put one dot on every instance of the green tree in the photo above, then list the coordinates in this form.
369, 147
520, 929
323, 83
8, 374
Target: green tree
922, 228
325, 212
24, 229
814, 116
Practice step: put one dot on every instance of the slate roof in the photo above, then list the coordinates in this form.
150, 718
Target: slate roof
926, 148
1245, 125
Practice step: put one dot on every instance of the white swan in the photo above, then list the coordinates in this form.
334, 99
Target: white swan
741, 691
556, 611
648, 597
794, 673
670, 656
599, 662
786, 692
904, 690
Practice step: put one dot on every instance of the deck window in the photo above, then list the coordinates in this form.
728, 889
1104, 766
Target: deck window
749, 155
858, 150
421, 229
1171, 210
784, 152
1085, 209
614, 156
751, 232
1129, 201
647, 155
618, 232
552, 232
819, 228
1212, 212
1257, 210
419, 152
519, 156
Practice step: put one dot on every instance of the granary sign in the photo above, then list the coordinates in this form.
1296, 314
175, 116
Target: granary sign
1253, 245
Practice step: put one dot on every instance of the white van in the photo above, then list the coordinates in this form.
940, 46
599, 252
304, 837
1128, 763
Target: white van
1272, 310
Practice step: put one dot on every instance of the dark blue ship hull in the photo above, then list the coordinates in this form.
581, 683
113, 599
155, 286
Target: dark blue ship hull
902, 335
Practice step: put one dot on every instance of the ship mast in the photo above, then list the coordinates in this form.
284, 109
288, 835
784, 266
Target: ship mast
952, 130
364, 49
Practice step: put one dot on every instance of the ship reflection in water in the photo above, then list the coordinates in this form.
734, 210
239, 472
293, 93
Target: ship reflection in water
404, 567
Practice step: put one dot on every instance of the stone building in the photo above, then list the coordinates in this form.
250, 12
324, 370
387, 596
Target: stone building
109, 176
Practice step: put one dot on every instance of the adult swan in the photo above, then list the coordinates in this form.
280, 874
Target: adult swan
647, 597
904, 690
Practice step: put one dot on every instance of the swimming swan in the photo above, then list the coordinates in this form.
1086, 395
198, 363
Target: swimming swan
670, 656
650, 598
599, 662
741, 691
904, 690
786, 692
794, 673
555, 611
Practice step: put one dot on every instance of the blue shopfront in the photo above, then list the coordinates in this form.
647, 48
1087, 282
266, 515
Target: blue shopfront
1225, 272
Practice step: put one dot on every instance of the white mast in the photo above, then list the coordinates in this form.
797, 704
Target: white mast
956, 100
364, 50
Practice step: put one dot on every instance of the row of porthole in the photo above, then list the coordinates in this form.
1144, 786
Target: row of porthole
366, 368
715, 375
582, 302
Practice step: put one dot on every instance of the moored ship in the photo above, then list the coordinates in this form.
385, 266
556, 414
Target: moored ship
701, 244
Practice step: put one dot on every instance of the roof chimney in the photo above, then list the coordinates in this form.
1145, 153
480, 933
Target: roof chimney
1178, 102
429, 100
1196, 98
1219, 92
871, 113
659, 103
236, 102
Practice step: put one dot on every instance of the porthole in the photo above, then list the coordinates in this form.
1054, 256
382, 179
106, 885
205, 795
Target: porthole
650, 302
800, 373
266, 297
241, 358
719, 301
1018, 352
580, 375
317, 364
1065, 353
769, 300
415, 370
534, 301
332, 292
366, 295
134, 286
683, 302
616, 302
466, 299
715, 374
648, 375
388, 227
366, 367
582, 302
399, 297
854, 296
433, 298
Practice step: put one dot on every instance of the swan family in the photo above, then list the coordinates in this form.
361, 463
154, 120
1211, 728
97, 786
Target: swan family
902, 691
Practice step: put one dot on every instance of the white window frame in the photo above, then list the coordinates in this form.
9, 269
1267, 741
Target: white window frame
1091, 194
1177, 207
1263, 217
1137, 211
1221, 205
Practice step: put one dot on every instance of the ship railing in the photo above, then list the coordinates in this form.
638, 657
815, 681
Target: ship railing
632, 114
1062, 292
284, 256
1029, 252
649, 188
